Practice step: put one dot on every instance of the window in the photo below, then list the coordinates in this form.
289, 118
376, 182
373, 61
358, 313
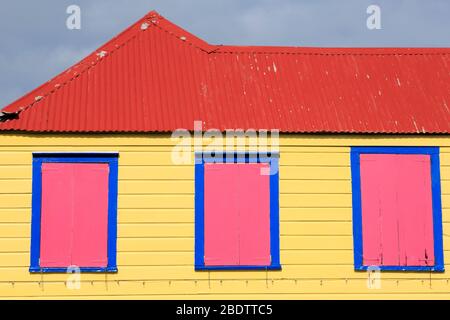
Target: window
74, 212
236, 212
397, 208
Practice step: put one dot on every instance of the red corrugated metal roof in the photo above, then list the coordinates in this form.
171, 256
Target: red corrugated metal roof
157, 77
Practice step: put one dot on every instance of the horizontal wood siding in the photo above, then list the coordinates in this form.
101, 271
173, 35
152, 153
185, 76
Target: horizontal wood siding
156, 224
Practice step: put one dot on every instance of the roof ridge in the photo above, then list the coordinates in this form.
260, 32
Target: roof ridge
305, 51
180, 33
203, 45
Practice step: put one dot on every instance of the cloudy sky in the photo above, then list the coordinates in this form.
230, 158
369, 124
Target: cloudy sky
37, 45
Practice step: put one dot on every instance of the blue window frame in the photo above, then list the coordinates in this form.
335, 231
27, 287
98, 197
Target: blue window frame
38, 159
433, 152
237, 157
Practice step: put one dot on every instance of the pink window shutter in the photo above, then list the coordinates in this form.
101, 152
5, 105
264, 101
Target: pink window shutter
396, 210
221, 215
254, 214
415, 210
56, 215
74, 215
371, 193
90, 228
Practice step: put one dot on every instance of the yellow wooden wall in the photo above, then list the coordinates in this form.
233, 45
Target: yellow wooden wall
156, 224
